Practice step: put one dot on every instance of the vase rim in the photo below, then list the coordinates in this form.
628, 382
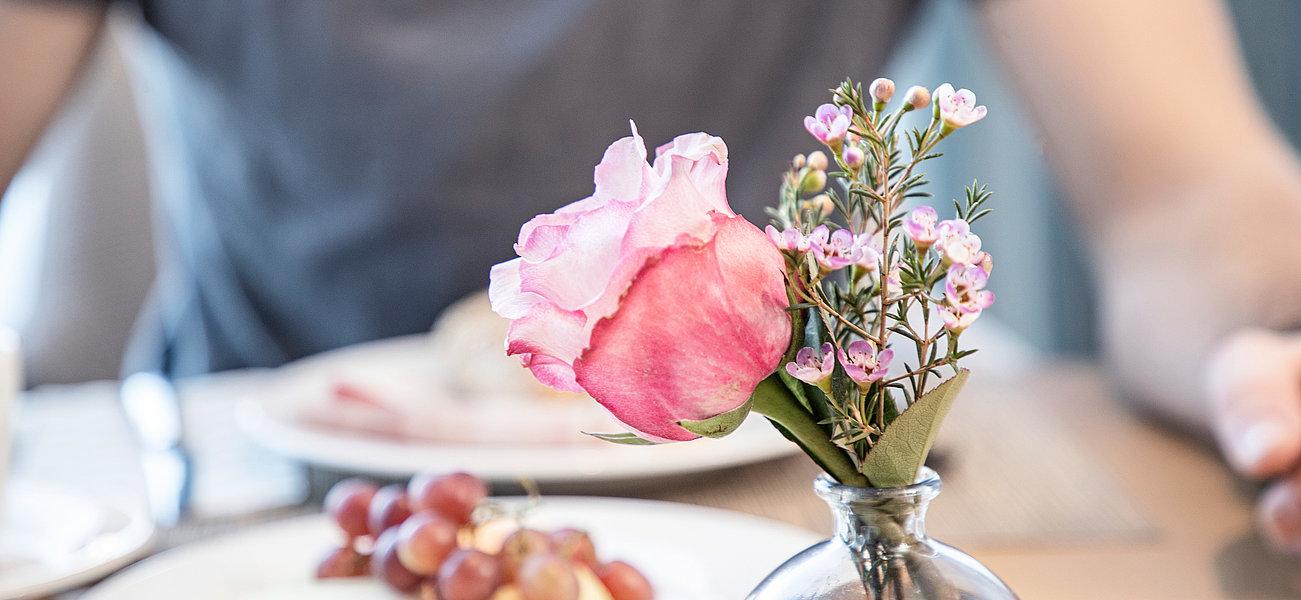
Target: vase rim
927, 485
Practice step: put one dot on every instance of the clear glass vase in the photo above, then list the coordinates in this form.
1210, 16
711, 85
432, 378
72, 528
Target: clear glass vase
880, 552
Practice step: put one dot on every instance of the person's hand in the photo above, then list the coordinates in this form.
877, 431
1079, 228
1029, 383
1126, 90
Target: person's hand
1254, 388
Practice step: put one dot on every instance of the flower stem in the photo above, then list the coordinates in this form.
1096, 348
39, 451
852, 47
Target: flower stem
773, 400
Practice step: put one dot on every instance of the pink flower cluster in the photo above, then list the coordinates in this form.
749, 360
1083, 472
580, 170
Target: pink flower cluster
965, 296
954, 109
832, 251
862, 362
969, 266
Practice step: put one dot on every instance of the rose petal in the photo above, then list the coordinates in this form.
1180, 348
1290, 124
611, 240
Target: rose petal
726, 330
504, 292
548, 339
578, 273
623, 173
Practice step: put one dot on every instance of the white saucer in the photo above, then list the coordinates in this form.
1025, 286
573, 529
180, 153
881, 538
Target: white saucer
688, 553
51, 540
269, 417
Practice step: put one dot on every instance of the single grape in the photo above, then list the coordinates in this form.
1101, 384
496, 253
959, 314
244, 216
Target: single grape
348, 502
388, 508
424, 540
548, 577
624, 581
385, 564
518, 547
468, 575
343, 562
575, 545
454, 495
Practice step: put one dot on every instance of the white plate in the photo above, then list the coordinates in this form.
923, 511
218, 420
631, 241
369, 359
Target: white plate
267, 416
51, 541
688, 553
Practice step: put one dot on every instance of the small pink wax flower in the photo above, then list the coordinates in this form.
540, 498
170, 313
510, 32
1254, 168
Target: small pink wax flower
818, 236
956, 320
920, 227
788, 239
964, 288
651, 295
829, 124
956, 242
811, 366
838, 252
869, 247
957, 109
952, 227
863, 363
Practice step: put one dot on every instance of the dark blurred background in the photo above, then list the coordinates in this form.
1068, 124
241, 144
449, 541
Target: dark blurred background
76, 235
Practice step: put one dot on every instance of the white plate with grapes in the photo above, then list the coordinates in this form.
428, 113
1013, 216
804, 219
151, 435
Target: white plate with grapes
629, 550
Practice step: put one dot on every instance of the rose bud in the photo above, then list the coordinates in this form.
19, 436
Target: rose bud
799, 161
597, 299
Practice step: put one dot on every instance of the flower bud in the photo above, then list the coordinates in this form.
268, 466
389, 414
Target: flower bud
882, 90
917, 97
853, 157
812, 180
818, 160
798, 161
820, 204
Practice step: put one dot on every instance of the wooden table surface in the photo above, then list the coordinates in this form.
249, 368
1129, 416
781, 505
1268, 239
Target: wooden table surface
1196, 541
1202, 545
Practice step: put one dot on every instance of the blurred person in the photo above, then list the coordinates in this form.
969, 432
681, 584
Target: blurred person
343, 170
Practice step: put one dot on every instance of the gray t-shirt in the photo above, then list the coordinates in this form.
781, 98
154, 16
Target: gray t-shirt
339, 171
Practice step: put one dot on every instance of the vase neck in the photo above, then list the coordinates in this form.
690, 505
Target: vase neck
880, 517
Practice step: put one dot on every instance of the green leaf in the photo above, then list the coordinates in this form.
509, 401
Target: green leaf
771, 399
819, 403
627, 439
891, 410
799, 321
901, 451
718, 425
796, 387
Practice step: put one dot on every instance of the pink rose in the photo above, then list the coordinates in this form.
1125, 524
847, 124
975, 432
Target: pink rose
651, 295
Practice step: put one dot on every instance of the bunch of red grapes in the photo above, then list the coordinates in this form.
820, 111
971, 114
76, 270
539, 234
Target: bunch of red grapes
413, 538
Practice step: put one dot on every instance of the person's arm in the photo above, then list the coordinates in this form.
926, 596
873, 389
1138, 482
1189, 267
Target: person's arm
1192, 204
43, 45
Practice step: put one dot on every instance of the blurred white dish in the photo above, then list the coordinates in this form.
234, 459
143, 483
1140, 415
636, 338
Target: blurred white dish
51, 541
499, 439
688, 553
